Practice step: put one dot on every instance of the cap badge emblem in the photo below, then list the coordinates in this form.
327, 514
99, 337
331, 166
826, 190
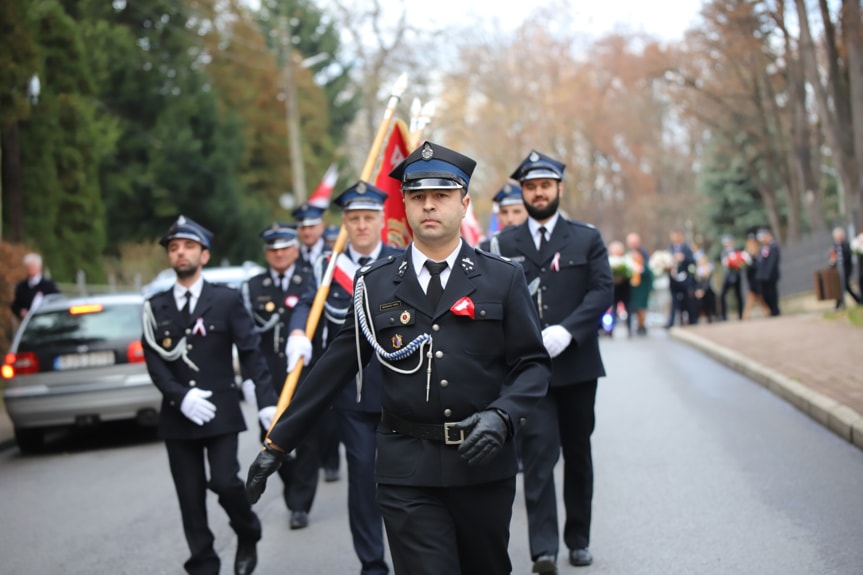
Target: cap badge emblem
361, 188
181, 221
427, 153
533, 157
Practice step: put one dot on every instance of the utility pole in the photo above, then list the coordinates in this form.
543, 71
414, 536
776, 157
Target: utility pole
292, 117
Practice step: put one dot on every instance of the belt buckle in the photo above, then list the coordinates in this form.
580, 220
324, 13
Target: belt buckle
446, 427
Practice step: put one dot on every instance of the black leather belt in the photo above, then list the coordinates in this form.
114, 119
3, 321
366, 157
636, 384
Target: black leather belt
444, 432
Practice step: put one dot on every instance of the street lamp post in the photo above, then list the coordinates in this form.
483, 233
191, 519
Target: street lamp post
292, 116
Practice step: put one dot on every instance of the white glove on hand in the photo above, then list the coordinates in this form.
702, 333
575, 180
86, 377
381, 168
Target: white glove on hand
248, 387
266, 416
196, 407
298, 346
555, 338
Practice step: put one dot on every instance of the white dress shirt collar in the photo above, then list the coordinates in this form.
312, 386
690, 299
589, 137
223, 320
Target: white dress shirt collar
423, 275
180, 293
355, 255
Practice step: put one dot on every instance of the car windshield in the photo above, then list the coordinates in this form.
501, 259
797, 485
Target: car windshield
115, 321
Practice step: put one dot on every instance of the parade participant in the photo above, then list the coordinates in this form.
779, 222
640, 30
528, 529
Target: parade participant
733, 262
641, 283
358, 411
681, 282
30, 291
510, 212
271, 298
313, 245
768, 270
463, 365
840, 258
705, 295
189, 331
567, 262
310, 232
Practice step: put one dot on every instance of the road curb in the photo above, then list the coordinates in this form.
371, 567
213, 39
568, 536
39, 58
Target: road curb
838, 418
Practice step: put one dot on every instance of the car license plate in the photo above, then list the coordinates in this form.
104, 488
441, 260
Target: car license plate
82, 360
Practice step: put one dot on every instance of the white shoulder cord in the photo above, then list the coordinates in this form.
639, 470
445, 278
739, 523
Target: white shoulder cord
177, 353
362, 310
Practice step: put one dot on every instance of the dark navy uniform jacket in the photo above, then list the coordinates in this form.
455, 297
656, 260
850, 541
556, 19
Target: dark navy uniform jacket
340, 299
575, 288
494, 360
271, 310
225, 323
768, 265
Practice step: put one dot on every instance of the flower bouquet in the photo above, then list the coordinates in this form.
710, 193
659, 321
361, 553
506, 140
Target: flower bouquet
661, 262
736, 260
621, 267
857, 244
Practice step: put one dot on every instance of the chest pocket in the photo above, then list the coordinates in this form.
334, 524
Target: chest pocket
488, 311
399, 317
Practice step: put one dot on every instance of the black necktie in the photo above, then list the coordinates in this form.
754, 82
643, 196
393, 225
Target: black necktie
364, 260
187, 307
282, 282
543, 243
435, 288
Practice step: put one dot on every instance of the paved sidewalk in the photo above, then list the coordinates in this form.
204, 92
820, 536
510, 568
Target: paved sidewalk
814, 362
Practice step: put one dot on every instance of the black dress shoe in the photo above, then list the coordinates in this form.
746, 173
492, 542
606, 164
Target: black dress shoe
299, 519
246, 559
580, 557
331, 475
545, 565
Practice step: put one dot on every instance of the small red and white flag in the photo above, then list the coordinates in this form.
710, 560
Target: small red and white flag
470, 228
320, 198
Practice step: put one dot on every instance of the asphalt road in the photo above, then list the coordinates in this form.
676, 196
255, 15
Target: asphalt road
698, 471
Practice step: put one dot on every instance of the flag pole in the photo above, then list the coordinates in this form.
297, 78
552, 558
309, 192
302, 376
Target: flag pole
323, 290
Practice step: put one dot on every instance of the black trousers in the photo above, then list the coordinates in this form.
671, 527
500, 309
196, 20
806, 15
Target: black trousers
683, 302
186, 459
770, 293
734, 286
300, 475
329, 441
460, 530
358, 431
564, 419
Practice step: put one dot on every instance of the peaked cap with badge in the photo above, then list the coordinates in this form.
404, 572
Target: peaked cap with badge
537, 165
308, 215
362, 196
508, 195
279, 235
186, 228
434, 167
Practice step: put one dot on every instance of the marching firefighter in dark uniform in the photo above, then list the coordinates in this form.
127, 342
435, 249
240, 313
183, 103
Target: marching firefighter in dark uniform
358, 412
510, 212
189, 331
463, 365
567, 270
271, 298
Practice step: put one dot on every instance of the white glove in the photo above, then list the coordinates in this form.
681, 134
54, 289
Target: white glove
196, 407
556, 338
266, 416
298, 347
248, 387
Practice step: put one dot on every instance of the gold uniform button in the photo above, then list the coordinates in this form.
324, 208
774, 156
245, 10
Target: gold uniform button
435, 327
447, 412
438, 354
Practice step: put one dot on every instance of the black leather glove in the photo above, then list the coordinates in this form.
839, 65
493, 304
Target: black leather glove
488, 431
266, 463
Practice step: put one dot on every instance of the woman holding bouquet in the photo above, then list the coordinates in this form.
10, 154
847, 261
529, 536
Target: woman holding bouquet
622, 272
641, 283
753, 296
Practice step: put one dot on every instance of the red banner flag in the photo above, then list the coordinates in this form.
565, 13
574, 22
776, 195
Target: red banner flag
396, 230
320, 198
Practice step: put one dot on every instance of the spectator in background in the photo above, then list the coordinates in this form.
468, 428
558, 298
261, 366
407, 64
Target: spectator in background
752, 250
681, 280
733, 262
30, 291
840, 258
621, 272
641, 283
705, 296
768, 270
